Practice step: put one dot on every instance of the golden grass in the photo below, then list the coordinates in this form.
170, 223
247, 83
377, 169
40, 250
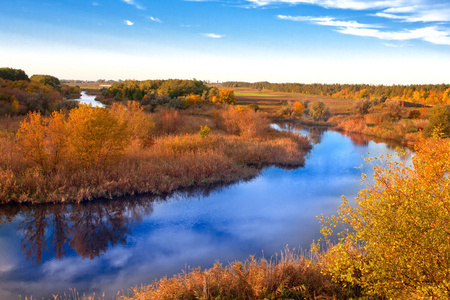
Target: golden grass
164, 164
374, 125
290, 276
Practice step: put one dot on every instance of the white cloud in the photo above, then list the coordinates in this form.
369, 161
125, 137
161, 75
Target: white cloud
154, 19
134, 3
432, 34
128, 22
326, 21
343, 4
213, 35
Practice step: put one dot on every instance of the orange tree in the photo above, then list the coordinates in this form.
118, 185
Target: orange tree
227, 96
396, 241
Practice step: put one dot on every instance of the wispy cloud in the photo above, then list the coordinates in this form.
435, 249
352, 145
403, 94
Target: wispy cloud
213, 35
154, 19
326, 21
418, 14
432, 34
95, 4
128, 22
343, 4
134, 3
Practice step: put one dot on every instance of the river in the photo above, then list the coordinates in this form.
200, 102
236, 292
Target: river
88, 99
107, 246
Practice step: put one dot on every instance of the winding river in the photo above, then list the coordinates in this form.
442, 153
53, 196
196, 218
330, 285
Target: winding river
106, 246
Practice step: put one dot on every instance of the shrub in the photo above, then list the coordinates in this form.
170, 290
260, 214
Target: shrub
319, 111
227, 96
362, 106
168, 121
395, 241
394, 110
414, 114
204, 131
254, 106
243, 121
139, 124
439, 120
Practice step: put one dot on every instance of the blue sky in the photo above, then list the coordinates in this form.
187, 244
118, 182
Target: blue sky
325, 41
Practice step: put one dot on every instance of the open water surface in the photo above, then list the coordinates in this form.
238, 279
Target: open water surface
102, 247
88, 99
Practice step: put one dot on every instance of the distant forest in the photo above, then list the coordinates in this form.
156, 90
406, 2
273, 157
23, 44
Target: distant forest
421, 93
20, 94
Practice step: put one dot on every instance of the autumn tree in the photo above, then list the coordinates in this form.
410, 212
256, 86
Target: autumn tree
43, 141
439, 120
319, 111
31, 139
362, 106
95, 136
45, 79
299, 108
395, 242
193, 99
227, 96
139, 124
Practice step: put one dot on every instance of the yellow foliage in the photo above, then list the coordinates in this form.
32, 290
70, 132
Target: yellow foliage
227, 96
42, 141
95, 136
32, 138
139, 124
396, 241
193, 99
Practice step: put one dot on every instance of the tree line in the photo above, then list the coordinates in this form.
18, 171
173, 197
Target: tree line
419, 93
20, 94
173, 93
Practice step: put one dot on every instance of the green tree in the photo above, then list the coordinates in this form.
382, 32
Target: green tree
13, 74
395, 242
45, 79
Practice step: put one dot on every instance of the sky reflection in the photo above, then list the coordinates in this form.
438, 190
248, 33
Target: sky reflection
105, 246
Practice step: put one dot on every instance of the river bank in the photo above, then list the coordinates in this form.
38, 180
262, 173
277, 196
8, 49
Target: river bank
175, 156
110, 245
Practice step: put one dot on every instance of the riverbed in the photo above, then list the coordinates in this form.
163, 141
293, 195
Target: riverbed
107, 246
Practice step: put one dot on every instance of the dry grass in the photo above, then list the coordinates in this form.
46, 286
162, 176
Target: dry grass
291, 276
166, 163
374, 125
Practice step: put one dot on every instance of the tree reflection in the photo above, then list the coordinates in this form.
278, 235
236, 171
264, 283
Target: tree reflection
88, 228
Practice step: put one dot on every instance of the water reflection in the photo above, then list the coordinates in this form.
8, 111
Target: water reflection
88, 228
105, 246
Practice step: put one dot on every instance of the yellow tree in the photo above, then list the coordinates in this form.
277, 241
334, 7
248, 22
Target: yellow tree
32, 138
56, 139
139, 124
396, 240
43, 141
95, 137
227, 96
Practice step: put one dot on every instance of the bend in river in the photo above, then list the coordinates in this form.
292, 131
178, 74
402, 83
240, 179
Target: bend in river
106, 246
